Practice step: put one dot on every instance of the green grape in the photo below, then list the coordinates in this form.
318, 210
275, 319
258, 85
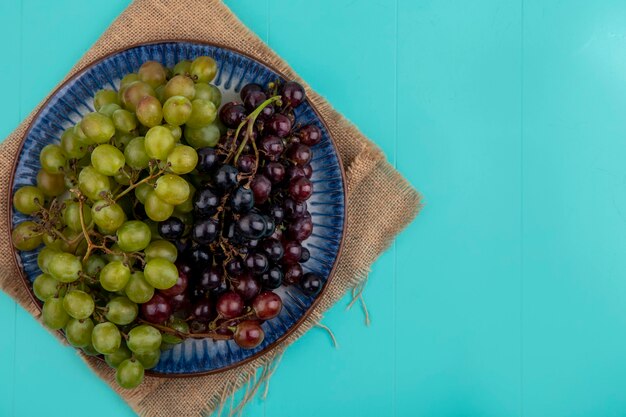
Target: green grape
154, 229
52, 159
28, 199
177, 110
121, 140
179, 85
134, 93
45, 287
135, 154
114, 359
78, 304
133, 236
209, 92
176, 324
71, 215
144, 338
142, 191
52, 241
76, 242
65, 267
108, 217
149, 359
103, 97
122, 177
186, 218
159, 92
161, 273
138, 289
161, 249
93, 265
129, 374
172, 189
157, 209
26, 237
159, 141
166, 346
221, 126
177, 132
51, 185
202, 137
149, 111
109, 109
187, 205
203, 69
124, 121
78, 332
203, 112
53, 313
128, 80
89, 350
119, 255
152, 73
106, 338
97, 127
121, 310
107, 159
182, 159
44, 257
114, 276
182, 68
72, 146
93, 184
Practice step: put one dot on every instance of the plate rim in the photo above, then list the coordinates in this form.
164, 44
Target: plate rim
272, 346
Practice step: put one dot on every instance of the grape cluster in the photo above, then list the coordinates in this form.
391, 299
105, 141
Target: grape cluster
164, 216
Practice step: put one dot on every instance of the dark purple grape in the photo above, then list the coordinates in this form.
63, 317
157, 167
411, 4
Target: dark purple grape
294, 209
278, 213
205, 231
292, 93
225, 178
257, 263
267, 305
157, 310
232, 114
234, 267
206, 202
300, 154
300, 189
252, 244
180, 302
271, 279
246, 163
310, 135
200, 257
207, 160
261, 187
172, 228
293, 274
182, 245
295, 171
311, 284
279, 125
306, 255
203, 310
251, 226
242, 200
300, 229
308, 171
248, 334
253, 99
271, 225
246, 286
278, 234
292, 252
267, 112
223, 287
272, 146
273, 249
249, 88
229, 305
210, 278
275, 172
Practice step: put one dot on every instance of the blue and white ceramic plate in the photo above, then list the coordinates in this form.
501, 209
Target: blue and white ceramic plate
327, 205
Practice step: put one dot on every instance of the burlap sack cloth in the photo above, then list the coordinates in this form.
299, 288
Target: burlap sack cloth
374, 187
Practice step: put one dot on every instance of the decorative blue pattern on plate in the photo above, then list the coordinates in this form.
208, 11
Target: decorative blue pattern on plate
327, 204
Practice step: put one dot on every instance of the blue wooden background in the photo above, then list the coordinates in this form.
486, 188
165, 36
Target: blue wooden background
507, 296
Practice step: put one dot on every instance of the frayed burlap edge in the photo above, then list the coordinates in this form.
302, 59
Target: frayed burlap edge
373, 185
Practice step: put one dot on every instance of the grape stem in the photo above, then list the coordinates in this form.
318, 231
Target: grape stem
249, 120
184, 335
150, 177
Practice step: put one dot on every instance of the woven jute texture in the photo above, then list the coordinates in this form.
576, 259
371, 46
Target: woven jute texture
374, 187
